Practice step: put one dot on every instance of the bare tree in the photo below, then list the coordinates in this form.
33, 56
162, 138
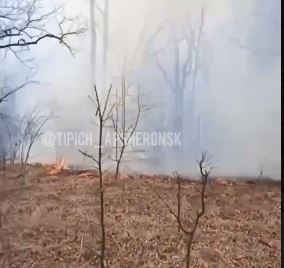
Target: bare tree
124, 129
14, 138
8, 143
104, 114
184, 67
195, 71
93, 45
31, 129
205, 170
24, 24
22, 133
6, 125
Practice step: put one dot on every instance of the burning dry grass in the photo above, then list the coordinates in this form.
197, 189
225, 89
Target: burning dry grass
54, 222
57, 168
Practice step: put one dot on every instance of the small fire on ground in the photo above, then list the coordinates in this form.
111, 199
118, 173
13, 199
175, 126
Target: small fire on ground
58, 167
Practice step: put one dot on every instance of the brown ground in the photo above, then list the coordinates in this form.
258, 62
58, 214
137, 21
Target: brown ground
53, 221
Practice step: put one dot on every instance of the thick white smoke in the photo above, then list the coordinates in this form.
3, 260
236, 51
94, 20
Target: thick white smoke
237, 99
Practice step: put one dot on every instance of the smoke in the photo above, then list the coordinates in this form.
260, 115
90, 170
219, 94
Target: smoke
237, 102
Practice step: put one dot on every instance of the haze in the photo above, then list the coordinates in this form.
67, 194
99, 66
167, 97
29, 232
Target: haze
238, 88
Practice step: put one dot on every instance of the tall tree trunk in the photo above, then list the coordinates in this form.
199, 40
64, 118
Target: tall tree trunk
102, 218
93, 45
195, 74
105, 41
179, 111
198, 134
178, 91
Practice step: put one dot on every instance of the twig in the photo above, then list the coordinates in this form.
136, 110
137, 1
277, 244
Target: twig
205, 172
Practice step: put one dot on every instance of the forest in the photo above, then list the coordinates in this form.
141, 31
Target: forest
140, 133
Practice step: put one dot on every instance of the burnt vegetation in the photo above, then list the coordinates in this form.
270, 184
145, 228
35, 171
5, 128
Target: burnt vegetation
53, 216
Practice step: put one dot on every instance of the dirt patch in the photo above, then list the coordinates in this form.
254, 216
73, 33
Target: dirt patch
53, 221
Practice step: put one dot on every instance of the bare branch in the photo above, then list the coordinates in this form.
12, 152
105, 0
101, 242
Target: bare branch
89, 156
104, 115
164, 73
23, 25
10, 91
123, 129
190, 232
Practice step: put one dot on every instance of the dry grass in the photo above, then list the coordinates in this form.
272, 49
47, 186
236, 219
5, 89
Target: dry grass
54, 222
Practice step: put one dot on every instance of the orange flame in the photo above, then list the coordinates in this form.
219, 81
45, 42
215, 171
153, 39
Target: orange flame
58, 168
